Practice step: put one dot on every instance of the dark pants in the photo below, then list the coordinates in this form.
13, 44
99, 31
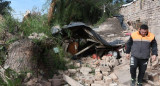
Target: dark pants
141, 64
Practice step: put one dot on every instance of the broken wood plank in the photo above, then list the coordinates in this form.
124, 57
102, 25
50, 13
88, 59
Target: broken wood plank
85, 49
71, 81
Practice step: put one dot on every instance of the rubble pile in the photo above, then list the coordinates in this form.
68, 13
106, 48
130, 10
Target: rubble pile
108, 71
97, 72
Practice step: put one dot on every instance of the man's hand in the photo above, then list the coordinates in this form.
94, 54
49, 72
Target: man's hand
128, 56
153, 58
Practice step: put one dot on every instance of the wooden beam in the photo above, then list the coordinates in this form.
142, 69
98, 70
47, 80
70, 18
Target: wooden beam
85, 49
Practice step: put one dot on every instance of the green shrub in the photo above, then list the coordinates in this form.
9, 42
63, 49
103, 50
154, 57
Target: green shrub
11, 78
9, 24
37, 24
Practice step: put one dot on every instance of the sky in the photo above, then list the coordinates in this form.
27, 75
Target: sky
20, 6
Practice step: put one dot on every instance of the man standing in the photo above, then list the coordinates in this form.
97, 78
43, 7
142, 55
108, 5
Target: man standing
140, 44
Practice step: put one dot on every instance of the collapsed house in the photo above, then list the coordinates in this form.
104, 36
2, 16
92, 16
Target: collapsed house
79, 40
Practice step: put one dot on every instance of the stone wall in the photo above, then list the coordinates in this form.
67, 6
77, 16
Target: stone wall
145, 11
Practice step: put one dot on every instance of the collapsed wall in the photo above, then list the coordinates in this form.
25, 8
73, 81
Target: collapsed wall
145, 11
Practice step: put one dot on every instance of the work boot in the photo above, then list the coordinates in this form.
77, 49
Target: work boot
133, 82
139, 84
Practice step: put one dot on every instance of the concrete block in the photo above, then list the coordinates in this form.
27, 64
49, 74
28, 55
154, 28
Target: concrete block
82, 79
153, 76
73, 71
93, 65
98, 77
77, 64
107, 79
88, 81
85, 70
150, 82
97, 70
105, 69
113, 76
56, 82
103, 63
99, 82
105, 73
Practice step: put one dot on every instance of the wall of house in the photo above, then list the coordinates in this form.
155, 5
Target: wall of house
145, 11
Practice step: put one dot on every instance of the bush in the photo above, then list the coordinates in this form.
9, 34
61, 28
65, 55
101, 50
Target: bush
37, 24
10, 77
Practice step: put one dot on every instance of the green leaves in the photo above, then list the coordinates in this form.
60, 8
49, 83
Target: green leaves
67, 11
87, 11
4, 7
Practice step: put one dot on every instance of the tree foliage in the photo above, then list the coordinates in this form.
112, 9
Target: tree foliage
4, 7
87, 11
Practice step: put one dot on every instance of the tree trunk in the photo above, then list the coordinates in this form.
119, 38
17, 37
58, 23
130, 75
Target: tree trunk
51, 11
22, 56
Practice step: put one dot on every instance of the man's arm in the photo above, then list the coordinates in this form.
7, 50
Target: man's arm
154, 49
128, 45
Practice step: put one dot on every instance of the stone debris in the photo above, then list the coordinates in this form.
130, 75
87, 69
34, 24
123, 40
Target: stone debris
37, 36
73, 71
56, 82
85, 70
77, 64
108, 71
98, 77
107, 79
153, 76
113, 76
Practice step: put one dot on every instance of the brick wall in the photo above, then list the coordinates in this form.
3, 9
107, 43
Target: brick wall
147, 11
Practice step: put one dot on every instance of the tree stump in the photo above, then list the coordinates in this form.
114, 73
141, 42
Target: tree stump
22, 56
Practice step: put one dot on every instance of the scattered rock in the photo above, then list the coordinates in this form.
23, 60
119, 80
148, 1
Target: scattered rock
73, 71
56, 82
32, 82
99, 82
98, 77
77, 64
153, 76
107, 79
105, 69
85, 70
113, 76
